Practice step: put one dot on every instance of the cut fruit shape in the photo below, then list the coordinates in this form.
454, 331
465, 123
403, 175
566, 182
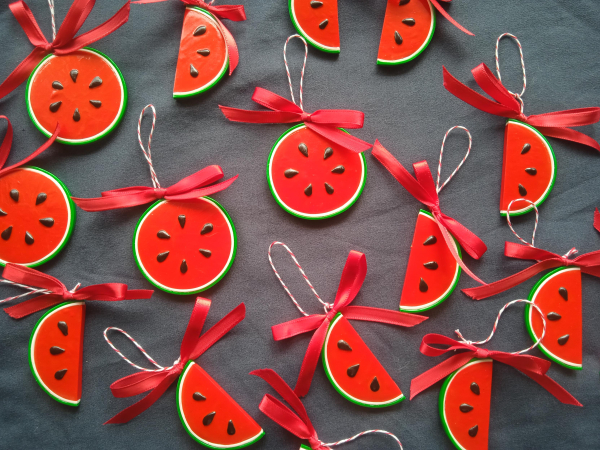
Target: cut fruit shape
558, 295
407, 30
317, 22
56, 352
354, 371
37, 216
465, 405
432, 272
210, 415
312, 178
84, 91
528, 170
203, 56
185, 247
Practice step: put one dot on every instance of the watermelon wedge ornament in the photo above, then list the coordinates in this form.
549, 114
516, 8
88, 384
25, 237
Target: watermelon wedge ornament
185, 242
435, 261
353, 370
315, 170
529, 166
209, 415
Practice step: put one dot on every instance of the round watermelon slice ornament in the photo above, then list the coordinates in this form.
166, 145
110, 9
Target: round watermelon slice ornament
317, 22
83, 91
210, 415
558, 295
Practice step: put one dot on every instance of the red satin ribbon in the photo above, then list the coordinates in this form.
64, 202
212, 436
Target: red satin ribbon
192, 346
108, 292
443, 12
192, 187
235, 13
65, 41
597, 219
422, 187
555, 124
535, 368
353, 277
295, 420
589, 263
325, 122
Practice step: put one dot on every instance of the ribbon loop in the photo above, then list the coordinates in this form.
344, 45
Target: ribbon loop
517, 96
443, 12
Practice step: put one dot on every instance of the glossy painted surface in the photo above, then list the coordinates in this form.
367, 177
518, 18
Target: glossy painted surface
307, 19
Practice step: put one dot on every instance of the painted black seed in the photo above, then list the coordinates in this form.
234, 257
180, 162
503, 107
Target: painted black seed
208, 418
14, 194
203, 52
290, 173
56, 350
525, 149
374, 385
162, 256
162, 234
410, 22
329, 188
431, 265
323, 24
183, 268
308, 190
353, 370
96, 103
465, 408
200, 30
193, 71
205, 253
47, 222
76, 115
181, 220
563, 339
553, 316
563, 293
338, 169
303, 149
60, 374
423, 286
207, 228
522, 190
230, 428
6, 233
198, 397
41, 198
63, 327
54, 106
2, 212
473, 431
404, 2
430, 240
343, 345
397, 38
28, 238
475, 388
328, 153
315, 4
97, 81
57, 85
74, 74
531, 171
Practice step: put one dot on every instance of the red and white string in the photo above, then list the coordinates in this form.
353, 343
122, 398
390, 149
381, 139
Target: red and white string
517, 96
148, 153
439, 171
32, 290
537, 219
51, 5
343, 441
287, 69
496, 326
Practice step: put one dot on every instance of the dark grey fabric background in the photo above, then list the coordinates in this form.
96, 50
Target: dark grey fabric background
408, 109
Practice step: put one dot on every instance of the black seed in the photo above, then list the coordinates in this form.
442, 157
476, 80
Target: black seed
57, 85
200, 30
290, 173
431, 265
183, 268
198, 397
531, 171
475, 388
74, 74
323, 24
193, 71
353, 370
47, 222
430, 240
230, 428
181, 219
205, 253
563, 293
308, 190
465, 408
343, 345
2, 212
162, 234
97, 81
303, 149
6, 233
315, 4
60, 374
328, 152
208, 418
423, 286
338, 169
63, 327
162, 256
28, 238
207, 228
525, 149
473, 431
54, 106
553, 316
563, 339
96, 103
41, 198
374, 385
410, 22
14, 194
397, 38
203, 52
329, 188
56, 350
522, 190
404, 2
76, 115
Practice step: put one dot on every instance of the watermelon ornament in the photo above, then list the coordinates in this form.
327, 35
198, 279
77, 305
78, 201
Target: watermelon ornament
317, 22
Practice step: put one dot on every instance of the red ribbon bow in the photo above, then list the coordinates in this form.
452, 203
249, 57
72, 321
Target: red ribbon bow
65, 41
108, 292
555, 124
192, 346
325, 122
532, 366
192, 187
296, 421
597, 220
422, 187
353, 277
589, 263
443, 12
231, 12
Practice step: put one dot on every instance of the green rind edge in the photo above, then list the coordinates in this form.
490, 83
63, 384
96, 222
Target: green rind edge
301, 216
301, 32
304, 447
30, 357
221, 75
71, 223
397, 63
341, 392
548, 354
454, 284
258, 438
87, 141
543, 199
139, 264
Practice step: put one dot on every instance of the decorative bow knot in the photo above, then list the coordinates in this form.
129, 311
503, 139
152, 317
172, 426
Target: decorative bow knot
534, 367
192, 347
65, 41
555, 124
192, 187
54, 292
353, 276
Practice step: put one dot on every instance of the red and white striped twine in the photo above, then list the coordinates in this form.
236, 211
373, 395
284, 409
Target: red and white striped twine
159, 368
343, 441
439, 171
496, 326
326, 305
287, 69
537, 219
32, 290
51, 5
517, 96
148, 153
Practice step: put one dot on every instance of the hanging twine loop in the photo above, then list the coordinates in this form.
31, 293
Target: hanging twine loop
439, 171
51, 5
517, 96
353, 438
287, 68
537, 218
148, 153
